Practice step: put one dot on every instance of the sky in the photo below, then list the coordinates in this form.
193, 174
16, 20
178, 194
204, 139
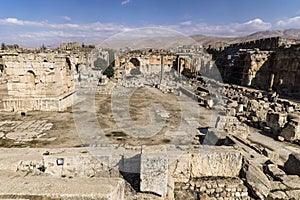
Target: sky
50, 22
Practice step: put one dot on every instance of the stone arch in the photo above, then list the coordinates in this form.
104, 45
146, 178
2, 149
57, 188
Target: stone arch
31, 78
135, 62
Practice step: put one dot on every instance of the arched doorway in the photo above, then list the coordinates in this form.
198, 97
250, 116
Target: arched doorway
30, 79
135, 62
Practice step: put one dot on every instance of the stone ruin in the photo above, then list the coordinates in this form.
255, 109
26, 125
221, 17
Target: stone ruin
224, 161
39, 81
268, 64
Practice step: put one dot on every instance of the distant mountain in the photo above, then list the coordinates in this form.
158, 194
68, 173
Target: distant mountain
289, 33
221, 41
204, 40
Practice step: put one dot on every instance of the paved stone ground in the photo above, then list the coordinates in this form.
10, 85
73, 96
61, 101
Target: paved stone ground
65, 188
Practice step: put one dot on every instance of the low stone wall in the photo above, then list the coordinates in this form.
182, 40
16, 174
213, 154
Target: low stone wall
162, 166
213, 188
43, 104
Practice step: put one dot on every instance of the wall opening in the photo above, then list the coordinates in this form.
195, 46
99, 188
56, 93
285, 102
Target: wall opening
31, 79
135, 62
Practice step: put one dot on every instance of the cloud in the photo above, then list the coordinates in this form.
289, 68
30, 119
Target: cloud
125, 2
38, 32
232, 29
15, 21
95, 26
186, 23
293, 22
66, 18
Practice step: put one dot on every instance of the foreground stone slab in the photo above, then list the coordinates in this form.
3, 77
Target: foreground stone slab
63, 188
292, 130
154, 170
216, 161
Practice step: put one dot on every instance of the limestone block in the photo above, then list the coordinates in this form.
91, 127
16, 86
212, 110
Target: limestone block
154, 170
275, 120
216, 161
86, 165
293, 194
291, 181
179, 169
291, 131
256, 180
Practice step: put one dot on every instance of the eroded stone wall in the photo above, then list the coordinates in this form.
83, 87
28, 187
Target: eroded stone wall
39, 81
266, 64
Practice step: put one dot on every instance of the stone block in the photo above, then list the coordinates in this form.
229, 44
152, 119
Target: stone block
180, 166
154, 170
291, 131
276, 121
256, 180
216, 161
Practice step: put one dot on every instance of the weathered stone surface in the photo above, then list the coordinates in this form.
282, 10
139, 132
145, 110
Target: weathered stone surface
216, 161
274, 171
277, 195
276, 121
80, 165
291, 181
293, 194
291, 131
256, 180
67, 188
179, 169
213, 188
154, 170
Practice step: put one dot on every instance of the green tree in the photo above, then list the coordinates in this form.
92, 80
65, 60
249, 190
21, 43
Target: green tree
3, 46
111, 54
109, 71
135, 71
187, 73
43, 47
100, 64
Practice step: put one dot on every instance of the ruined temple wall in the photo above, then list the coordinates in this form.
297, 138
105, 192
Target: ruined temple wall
41, 81
149, 63
286, 70
256, 68
41, 75
278, 70
263, 44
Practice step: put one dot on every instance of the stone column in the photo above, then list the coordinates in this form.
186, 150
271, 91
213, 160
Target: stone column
178, 65
271, 81
161, 68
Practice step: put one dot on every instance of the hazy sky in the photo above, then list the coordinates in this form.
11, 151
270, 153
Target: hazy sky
34, 22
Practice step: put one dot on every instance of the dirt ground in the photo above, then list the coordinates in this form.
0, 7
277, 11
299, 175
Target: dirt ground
64, 131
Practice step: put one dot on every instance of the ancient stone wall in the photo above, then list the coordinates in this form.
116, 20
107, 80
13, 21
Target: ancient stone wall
263, 64
146, 61
69, 46
263, 44
39, 81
